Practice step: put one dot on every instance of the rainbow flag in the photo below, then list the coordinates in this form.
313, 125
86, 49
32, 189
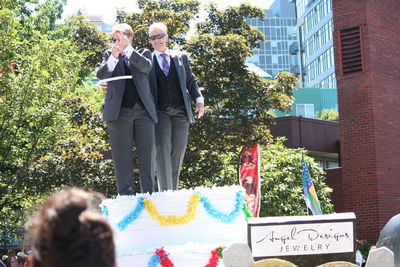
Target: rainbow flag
309, 190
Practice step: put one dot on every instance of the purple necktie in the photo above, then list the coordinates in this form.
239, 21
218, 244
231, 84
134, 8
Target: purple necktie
125, 59
165, 64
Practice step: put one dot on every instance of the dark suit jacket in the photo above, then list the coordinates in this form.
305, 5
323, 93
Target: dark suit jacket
187, 80
140, 64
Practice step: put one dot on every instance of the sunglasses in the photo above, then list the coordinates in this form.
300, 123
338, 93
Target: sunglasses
158, 36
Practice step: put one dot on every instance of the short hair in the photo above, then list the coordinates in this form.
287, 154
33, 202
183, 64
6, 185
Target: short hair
67, 231
158, 25
123, 28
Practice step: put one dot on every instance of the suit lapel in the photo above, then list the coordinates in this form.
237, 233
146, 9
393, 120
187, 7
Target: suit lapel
177, 62
179, 68
153, 70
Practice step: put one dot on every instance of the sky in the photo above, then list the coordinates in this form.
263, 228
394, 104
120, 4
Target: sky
107, 8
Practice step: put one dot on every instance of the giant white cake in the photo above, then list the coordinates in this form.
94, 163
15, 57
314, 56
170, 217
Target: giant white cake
184, 228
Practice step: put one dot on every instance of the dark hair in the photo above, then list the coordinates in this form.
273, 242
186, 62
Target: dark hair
67, 231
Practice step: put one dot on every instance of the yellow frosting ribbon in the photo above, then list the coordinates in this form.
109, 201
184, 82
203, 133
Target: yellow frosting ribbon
174, 220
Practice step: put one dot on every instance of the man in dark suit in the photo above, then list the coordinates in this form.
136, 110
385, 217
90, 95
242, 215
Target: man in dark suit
173, 81
129, 110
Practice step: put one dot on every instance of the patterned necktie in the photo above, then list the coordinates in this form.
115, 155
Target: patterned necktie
125, 59
165, 64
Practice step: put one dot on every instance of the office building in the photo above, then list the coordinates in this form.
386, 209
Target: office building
278, 28
316, 56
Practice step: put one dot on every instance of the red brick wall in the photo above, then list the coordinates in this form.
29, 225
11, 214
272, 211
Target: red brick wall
369, 107
334, 181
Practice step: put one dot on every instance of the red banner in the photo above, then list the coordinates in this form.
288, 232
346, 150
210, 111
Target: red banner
249, 177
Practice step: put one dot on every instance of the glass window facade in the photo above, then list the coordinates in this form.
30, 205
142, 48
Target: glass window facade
316, 42
273, 55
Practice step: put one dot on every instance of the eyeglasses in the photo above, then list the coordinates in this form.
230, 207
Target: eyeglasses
158, 36
119, 40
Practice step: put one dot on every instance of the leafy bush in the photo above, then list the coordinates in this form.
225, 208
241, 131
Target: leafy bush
281, 182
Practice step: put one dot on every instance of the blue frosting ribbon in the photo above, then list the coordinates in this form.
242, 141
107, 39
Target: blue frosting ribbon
132, 216
210, 209
225, 218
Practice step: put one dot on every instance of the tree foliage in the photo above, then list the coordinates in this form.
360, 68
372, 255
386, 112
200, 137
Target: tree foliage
90, 42
176, 14
238, 101
328, 114
80, 158
39, 68
31, 115
280, 177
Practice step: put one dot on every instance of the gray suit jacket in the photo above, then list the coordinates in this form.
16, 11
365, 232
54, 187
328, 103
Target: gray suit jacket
140, 64
186, 80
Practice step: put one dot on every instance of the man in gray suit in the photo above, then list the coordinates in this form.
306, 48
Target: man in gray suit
129, 110
173, 81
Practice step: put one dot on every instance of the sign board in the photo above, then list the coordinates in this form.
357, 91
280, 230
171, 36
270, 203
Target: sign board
301, 235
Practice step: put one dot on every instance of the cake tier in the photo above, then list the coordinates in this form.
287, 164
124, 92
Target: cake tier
144, 222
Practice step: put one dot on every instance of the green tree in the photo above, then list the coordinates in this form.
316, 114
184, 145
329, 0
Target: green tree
39, 68
281, 182
176, 14
42, 16
90, 42
328, 114
80, 159
281, 179
238, 102
30, 116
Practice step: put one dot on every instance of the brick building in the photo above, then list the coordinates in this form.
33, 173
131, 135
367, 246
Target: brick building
366, 45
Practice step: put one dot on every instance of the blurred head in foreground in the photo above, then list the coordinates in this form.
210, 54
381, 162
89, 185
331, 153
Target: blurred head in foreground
69, 231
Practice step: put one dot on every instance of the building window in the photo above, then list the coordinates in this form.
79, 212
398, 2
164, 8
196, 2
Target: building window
305, 110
